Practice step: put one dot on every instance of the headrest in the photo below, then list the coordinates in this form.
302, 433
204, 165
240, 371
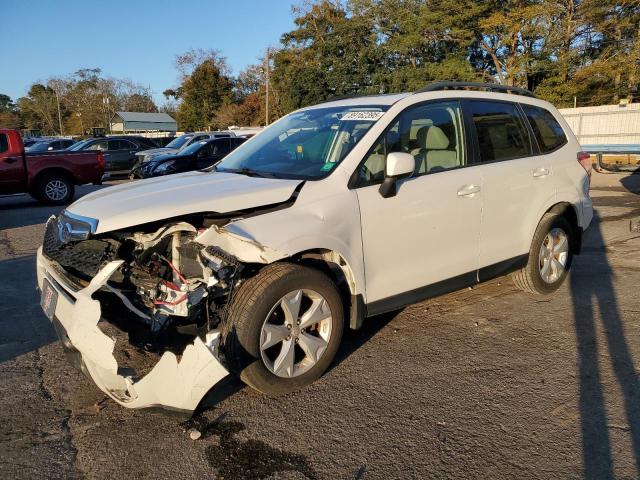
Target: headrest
436, 139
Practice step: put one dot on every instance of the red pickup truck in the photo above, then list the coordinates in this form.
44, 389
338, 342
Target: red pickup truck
48, 177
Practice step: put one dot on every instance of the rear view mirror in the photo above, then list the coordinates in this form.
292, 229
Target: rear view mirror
399, 165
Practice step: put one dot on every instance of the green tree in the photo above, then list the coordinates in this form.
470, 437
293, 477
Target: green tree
202, 93
331, 53
38, 109
6, 104
8, 113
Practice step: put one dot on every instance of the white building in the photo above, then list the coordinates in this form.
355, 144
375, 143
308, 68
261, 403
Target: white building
605, 125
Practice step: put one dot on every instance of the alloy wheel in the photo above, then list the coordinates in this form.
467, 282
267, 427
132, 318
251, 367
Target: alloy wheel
295, 333
56, 190
553, 256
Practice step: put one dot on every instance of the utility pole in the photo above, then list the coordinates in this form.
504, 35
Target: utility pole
59, 114
79, 115
266, 68
105, 102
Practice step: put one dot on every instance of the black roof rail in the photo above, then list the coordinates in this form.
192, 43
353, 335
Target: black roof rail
490, 87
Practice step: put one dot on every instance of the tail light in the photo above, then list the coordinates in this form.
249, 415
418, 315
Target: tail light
101, 162
584, 159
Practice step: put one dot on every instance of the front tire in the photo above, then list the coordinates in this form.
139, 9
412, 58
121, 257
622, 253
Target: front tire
283, 328
549, 258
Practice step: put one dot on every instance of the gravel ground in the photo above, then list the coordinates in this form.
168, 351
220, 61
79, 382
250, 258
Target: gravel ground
483, 383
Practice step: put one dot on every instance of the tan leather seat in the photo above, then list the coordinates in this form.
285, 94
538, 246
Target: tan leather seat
375, 165
435, 154
420, 153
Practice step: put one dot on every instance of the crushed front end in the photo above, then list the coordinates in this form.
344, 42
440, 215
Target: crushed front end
140, 309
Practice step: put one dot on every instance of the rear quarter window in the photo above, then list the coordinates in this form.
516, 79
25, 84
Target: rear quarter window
546, 129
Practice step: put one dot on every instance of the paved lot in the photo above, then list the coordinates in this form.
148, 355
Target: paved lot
483, 383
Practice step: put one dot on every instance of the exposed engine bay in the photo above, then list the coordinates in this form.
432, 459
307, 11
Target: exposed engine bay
168, 290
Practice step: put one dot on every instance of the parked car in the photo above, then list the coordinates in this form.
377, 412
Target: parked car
196, 156
49, 177
179, 143
50, 145
30, 141
334, 213
119, 151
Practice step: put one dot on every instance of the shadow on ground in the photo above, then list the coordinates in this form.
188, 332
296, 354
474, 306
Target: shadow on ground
23, 326
595, 302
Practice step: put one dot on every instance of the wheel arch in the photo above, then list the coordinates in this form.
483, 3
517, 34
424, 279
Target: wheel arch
568, 211
49, 171
331, 262
336, 267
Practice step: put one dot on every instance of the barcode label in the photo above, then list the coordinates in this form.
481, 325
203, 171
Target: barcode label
366, 116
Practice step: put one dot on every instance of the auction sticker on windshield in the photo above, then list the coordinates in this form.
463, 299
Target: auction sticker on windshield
366, 115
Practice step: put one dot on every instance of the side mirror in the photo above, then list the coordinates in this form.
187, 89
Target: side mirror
399, 165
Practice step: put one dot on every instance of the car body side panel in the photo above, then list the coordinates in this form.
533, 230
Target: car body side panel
83, 166
318, 220
512, 198
572, 181
424, 234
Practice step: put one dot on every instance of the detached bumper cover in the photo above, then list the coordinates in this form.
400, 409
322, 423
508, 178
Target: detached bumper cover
175, 384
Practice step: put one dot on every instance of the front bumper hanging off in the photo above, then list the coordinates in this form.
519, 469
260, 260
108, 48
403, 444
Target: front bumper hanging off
173, 383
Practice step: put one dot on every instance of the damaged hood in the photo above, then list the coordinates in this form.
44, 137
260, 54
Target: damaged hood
143, 201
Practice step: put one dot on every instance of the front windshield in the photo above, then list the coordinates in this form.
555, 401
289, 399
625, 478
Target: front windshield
79, 146
178, 142
193, 148
304, 145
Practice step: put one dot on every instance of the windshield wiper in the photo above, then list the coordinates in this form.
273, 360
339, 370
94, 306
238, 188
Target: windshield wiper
248, 172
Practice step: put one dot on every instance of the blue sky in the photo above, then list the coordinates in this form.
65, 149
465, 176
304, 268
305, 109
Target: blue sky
136, 39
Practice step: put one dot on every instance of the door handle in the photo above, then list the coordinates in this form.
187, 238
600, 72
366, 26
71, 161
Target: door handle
540, 172
468, 190
11, 159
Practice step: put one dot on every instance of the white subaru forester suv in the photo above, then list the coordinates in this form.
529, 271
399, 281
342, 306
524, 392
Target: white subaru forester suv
337, 212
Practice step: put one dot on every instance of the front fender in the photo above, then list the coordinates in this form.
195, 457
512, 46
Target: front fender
330, 224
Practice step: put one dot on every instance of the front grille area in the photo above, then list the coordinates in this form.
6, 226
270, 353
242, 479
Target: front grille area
51, 240
83, 259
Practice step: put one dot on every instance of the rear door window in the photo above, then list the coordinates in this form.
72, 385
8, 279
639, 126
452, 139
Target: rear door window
500, 131
102, 146
4, 143
127, 145
546, 129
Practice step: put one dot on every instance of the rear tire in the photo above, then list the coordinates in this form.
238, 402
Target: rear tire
549, 258
54, 189
270, 338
